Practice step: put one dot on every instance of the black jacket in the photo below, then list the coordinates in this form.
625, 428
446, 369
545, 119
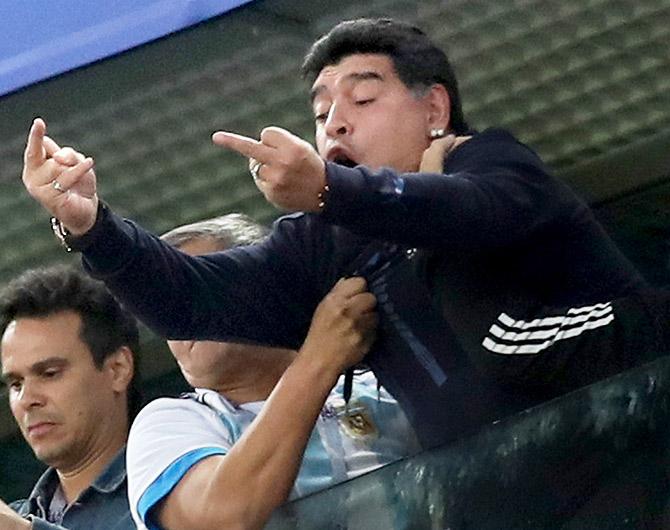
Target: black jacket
444, 253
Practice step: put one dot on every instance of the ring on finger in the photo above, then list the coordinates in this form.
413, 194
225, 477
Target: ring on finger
57, 186
254, 168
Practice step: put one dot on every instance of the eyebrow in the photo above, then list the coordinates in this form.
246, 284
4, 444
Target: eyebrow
38, 367
354, 77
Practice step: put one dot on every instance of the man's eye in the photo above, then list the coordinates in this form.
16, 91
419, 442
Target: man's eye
320, 118
14, 386
363, 102
49, 374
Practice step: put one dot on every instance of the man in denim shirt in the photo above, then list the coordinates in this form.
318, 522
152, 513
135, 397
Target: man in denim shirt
68, 362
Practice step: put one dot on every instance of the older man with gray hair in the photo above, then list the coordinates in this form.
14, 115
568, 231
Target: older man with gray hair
263, 424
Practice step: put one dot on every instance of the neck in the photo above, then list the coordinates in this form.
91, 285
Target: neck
243, 394
76, 478
253, 384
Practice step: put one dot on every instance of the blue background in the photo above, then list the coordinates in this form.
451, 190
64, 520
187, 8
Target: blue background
42, 38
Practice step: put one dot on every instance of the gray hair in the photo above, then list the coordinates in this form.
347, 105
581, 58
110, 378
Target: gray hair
231, 230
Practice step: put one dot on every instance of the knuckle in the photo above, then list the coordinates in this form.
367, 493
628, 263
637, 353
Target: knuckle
340, 310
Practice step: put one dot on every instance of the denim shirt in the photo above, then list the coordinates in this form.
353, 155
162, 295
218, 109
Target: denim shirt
101, 506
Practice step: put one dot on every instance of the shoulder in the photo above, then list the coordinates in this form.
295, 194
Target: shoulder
300, 225
174, 434
290, 236
495, 137
186, 404
170, 417
312, 240
493, 147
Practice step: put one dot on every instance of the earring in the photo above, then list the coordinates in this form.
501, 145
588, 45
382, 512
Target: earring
436, 133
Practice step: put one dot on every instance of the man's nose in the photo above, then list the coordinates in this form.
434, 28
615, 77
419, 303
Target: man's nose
337, 122
30, 396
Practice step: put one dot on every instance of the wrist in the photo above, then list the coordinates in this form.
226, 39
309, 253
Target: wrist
85, 228
78, 240
316, 367
322, 197
320, 191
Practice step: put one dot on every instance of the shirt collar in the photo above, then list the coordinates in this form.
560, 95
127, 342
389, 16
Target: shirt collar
43, 489
109, 480
112, 477
218, 401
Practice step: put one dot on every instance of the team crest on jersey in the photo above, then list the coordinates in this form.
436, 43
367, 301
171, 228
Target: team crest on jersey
356, 421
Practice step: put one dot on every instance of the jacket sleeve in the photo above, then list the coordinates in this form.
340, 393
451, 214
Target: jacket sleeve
259, 293
495, 192
558, 349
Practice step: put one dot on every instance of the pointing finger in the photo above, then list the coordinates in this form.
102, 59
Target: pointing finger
244, 145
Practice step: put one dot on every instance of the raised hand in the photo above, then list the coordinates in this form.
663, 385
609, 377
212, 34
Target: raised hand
432, 160
61, 180
343, 326
291, 173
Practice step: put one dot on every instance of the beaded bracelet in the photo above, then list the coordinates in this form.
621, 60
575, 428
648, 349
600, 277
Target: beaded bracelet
322, 196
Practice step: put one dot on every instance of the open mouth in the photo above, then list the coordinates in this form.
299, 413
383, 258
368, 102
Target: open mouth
344, 160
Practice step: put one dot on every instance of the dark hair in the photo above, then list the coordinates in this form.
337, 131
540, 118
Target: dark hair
417, 61
231, 230
106, 326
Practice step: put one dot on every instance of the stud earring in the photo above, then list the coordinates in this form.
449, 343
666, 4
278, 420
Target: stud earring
436, 133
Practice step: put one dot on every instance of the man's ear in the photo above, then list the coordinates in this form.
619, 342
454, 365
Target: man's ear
121, 367
439, 108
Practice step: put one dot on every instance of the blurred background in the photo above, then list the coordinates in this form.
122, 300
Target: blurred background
141, 86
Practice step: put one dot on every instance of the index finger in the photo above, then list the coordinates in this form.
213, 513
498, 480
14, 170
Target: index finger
244, 145
351, 286
34, 154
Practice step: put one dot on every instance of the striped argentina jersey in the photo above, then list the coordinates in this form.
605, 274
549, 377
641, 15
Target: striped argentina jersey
171, 435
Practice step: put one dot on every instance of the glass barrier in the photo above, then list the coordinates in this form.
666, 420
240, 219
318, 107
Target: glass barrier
594, 458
